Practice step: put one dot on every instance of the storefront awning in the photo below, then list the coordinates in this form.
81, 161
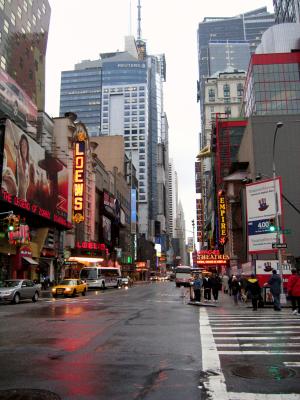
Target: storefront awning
30, 261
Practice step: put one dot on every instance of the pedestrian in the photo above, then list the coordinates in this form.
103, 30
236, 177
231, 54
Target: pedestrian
229, 285
225, 279
293, 288
216, 285
254, 291
197, 285
207, 288
244, 284
275, 285
235, 289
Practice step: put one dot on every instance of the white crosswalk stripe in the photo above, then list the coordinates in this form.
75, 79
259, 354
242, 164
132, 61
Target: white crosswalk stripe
237, 335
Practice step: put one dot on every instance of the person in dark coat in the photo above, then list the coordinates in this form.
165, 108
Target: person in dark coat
216, 285
235, 289
254, 290
207, 288
275, 285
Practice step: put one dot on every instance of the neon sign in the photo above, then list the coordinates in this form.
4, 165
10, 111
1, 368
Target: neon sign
79, 175
222, 218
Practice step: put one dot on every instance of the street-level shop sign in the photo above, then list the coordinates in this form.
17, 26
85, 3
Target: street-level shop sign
211, 257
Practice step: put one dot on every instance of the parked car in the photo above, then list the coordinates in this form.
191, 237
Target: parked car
70, 287
15, 290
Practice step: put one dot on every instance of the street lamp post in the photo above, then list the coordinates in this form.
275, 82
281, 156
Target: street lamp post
279, 253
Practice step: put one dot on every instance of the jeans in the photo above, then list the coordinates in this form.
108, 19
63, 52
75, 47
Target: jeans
276, 298
215, 292
295, 303
197, 293
207, 293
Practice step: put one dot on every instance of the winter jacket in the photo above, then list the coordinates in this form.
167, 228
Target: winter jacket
253, 288
235, 287
207, 283
275, 284
197, 284
216, 282
293, 285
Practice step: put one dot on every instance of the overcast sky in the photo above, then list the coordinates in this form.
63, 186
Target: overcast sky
82, 29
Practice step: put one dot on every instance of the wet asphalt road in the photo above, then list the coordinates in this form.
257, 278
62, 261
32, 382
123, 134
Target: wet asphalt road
137, 344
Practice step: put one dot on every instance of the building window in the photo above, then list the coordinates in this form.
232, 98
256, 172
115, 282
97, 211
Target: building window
211, 95
19, 12
6, 26
28, 26
44, 8
13, 19
3, 62
240, 90
228, 110
2, 4
39, 13
226, 90
25, 6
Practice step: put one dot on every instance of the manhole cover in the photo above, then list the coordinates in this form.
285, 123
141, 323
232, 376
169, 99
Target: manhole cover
273, 372
28, 394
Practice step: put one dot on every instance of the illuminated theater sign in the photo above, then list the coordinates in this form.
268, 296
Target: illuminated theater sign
211, 257
79, 170
222, 218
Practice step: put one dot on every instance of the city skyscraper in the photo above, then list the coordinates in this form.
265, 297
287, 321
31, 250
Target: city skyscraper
23, 40
122, 94
216, 34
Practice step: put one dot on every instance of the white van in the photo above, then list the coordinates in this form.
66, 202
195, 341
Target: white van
98, 277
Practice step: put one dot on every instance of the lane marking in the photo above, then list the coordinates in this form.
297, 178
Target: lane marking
292, 364
236, 322
257, 352
211, 362
256, 338
255, 327
283, 344
210, 359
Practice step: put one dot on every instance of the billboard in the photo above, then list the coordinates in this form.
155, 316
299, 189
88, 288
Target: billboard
15, 104
133, 211
31, 179
106, 226
260, 198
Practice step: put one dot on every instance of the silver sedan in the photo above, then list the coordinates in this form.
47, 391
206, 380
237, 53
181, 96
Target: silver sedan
15, 290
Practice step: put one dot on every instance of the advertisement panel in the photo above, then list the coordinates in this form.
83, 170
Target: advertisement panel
264, 270
15, 104
260, 197
106, 225
31, 179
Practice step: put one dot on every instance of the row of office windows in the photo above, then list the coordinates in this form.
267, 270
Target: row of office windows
226, 92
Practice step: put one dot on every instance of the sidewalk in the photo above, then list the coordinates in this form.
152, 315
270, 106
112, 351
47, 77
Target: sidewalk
227, 301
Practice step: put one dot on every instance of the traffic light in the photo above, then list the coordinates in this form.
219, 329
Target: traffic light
272, 226
213, 145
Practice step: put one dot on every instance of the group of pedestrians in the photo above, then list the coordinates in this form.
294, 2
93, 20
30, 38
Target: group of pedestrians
242, 288
210, 285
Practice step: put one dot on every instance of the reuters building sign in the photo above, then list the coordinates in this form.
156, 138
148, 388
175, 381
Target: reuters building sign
79, 171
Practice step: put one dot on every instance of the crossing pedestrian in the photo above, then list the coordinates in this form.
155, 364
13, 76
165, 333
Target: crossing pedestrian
197, 285
275, 288
216, 285
225, 279
235, 289
293, 288
254, 291
207, 288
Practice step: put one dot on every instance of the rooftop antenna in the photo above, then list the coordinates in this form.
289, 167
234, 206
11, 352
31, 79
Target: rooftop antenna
139, 30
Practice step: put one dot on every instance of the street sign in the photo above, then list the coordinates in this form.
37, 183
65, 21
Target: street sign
279, 245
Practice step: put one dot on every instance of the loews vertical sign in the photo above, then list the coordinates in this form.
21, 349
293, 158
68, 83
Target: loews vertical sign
79, 169
222, 217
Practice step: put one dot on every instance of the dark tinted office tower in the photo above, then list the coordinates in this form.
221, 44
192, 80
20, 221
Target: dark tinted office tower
81, 91
24, 29
247, 28
287, 11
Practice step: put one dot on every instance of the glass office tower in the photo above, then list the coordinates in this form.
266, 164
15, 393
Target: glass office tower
24, 29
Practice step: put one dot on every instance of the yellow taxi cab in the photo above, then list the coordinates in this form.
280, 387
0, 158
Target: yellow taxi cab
69, 287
